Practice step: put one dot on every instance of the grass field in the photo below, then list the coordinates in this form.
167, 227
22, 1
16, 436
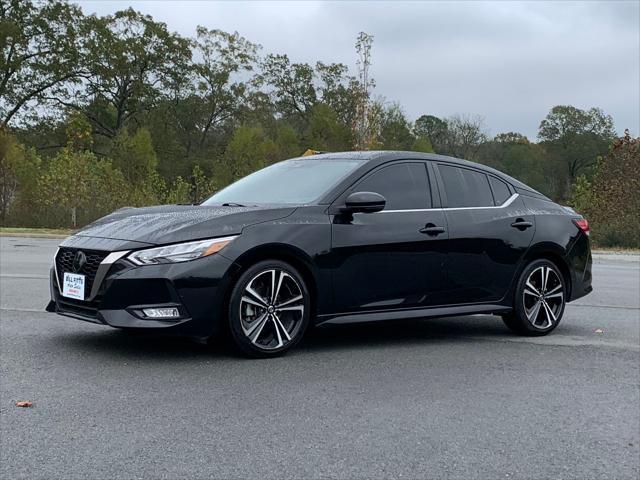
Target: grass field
34, 232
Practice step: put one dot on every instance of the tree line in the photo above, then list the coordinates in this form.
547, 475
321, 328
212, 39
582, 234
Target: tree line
99, 112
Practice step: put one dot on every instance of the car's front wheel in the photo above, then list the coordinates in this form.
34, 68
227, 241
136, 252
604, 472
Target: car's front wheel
539, 300
269, 309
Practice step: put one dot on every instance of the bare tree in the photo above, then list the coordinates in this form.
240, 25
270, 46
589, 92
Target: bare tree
464, 135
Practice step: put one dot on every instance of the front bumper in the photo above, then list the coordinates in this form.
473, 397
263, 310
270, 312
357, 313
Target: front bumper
197, 288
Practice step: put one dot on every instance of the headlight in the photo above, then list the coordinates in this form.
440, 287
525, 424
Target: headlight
181, 252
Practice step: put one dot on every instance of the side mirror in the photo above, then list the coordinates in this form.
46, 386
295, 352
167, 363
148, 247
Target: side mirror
364, 202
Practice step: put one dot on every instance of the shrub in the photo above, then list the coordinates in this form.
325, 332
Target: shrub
611, 201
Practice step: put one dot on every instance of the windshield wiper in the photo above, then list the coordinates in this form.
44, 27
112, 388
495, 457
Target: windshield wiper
232, 204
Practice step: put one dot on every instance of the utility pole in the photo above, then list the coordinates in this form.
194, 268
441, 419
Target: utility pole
362, 127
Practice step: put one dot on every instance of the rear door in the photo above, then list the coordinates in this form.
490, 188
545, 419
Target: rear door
390, 259
489, 232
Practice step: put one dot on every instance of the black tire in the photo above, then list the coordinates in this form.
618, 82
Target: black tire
276, 330
538, 311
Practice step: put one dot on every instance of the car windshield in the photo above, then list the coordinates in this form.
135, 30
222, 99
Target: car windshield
295, 182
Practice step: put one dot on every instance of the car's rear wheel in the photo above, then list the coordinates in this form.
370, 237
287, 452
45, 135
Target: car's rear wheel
269, 309
539, 300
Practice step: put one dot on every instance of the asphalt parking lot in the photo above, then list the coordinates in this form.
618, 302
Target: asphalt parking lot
451, 398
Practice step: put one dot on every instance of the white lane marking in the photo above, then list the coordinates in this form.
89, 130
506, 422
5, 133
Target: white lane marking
29, 310
558, 340
622, 307
20, 275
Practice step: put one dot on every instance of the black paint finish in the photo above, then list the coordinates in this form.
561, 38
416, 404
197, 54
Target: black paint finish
384, 260
429, 260
485, 251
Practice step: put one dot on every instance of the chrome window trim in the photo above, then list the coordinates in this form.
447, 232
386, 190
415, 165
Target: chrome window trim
104, 267
507, 202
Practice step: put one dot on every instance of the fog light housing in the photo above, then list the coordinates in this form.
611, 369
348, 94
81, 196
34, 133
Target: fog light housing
162, 313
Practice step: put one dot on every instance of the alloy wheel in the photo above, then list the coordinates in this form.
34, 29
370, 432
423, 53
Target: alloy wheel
543, 297
272, 309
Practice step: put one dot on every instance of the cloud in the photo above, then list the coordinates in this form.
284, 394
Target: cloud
508, 61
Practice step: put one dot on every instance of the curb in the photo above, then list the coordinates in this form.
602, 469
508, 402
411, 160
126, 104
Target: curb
621, 256
633, 253
33, 235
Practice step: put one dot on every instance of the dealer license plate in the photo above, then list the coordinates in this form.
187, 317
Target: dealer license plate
73, 286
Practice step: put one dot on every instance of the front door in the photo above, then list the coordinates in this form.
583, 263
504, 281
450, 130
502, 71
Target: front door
391, 259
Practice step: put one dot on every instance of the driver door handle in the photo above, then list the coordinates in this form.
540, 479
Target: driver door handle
431, 229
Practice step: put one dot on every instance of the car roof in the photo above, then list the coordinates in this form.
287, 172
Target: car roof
384, 156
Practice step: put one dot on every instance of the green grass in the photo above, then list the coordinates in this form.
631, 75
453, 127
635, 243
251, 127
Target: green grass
15, 231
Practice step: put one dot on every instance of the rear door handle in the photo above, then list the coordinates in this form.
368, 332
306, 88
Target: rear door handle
431, 229
521, 224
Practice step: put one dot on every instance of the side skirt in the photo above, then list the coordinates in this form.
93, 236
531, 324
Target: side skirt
416, 313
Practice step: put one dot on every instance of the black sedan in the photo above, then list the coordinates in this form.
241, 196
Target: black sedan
337, 237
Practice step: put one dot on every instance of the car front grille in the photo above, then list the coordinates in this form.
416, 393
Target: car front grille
64, 263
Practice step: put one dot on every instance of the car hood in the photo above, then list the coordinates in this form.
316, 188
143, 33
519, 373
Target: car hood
178, 223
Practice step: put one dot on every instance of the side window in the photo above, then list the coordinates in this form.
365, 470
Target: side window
500, 190
465, 188
405, 186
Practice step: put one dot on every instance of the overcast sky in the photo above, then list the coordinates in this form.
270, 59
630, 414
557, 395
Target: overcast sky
507, 61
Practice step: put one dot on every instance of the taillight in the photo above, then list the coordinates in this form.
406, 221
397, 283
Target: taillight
582, 224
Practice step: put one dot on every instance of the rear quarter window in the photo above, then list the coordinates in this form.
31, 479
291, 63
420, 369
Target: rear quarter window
501, 192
